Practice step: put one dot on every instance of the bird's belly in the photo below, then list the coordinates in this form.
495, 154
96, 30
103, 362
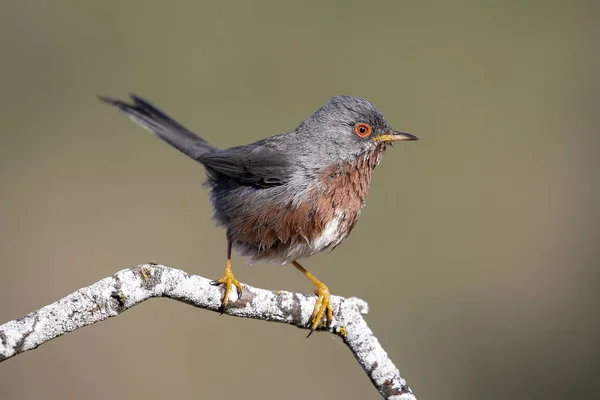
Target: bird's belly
288, 234
298, 247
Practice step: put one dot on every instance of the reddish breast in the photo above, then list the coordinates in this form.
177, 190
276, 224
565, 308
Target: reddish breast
346, 187
338, 196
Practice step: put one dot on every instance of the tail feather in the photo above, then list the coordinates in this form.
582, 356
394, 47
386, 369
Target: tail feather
151, 118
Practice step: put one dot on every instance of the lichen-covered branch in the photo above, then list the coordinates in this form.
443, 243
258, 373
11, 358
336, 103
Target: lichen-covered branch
129, 287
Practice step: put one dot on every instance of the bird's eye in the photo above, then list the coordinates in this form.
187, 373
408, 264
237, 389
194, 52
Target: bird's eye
362, 130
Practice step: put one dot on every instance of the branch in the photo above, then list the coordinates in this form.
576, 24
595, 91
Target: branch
113, 295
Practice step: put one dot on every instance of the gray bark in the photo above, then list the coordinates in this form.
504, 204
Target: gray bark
113, 295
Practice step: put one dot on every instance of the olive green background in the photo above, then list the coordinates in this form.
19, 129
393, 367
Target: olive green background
477, 251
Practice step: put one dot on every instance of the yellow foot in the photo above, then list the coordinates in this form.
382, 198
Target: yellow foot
228, 280
322, 306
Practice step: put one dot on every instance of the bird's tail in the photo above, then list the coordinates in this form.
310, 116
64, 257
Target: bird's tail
146, 115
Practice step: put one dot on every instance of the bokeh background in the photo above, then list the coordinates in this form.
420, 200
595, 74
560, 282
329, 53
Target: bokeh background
477, 251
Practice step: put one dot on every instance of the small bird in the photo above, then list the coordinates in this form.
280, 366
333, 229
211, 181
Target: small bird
288, 196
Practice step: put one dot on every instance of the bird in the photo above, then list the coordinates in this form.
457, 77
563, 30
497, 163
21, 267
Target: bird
287, 196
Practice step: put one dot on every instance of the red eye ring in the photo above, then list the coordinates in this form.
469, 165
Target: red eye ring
362, 130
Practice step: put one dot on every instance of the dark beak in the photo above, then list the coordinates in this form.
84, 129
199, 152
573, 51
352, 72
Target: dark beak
393, 136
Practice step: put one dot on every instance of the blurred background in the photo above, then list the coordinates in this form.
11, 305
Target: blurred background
477, 251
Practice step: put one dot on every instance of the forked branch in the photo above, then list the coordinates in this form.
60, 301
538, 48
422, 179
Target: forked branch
129, 287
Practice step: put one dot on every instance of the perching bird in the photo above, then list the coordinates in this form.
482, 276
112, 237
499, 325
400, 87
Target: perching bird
288, 196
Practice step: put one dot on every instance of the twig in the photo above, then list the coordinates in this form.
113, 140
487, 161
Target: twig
129, 287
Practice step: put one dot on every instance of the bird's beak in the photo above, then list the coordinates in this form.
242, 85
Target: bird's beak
393, 136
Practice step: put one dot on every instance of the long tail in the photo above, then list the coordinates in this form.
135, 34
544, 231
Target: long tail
146, 115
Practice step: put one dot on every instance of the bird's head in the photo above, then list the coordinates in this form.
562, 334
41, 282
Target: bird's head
347, 127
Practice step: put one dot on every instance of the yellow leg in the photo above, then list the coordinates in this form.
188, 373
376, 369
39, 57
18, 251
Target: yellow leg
323, 303
228, 279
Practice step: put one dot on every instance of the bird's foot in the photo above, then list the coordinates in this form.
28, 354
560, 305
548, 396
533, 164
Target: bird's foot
228, 280
322, 309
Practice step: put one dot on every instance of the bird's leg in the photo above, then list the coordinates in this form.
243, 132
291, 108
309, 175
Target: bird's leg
228, 279
323, 303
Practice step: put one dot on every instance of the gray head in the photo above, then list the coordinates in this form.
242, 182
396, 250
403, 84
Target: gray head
347, 127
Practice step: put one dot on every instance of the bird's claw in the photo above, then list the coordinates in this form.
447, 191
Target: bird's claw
322, 308
228, 280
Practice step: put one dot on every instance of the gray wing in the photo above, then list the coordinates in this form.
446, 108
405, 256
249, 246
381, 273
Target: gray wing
252, 164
